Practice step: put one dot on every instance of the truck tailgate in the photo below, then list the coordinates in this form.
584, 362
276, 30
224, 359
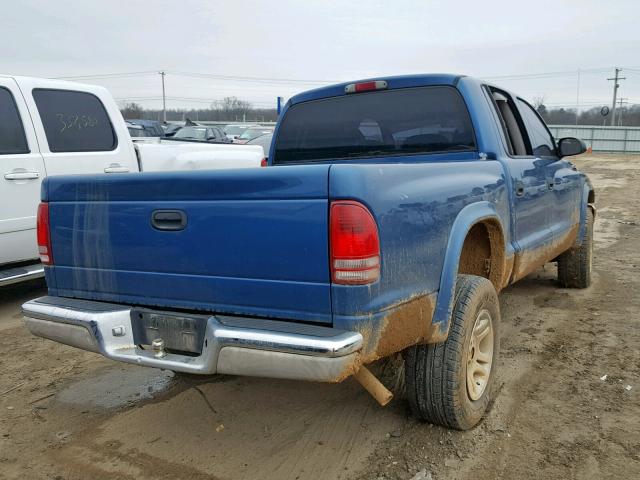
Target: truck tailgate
254, 241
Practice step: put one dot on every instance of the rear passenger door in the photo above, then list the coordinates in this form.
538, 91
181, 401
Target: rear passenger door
76, 129
532, 198
562, 180
21, 172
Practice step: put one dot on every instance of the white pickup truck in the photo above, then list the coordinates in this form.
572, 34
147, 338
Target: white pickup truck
53, 127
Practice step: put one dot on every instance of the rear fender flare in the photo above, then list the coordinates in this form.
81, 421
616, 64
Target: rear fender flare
467, 218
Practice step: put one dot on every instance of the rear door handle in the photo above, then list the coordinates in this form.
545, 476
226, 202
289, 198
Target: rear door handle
519, 189
169, 220
116, 168
21, 175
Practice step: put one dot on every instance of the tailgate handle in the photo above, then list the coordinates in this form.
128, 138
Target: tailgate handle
168, 220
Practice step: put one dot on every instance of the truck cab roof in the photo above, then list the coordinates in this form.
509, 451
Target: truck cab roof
398, 81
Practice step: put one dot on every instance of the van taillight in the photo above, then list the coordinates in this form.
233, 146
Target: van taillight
263, 163
354, 244
44, 239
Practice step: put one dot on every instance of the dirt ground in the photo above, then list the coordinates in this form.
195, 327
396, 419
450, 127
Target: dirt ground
569, 405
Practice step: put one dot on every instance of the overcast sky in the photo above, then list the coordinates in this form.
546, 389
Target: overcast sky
308, 43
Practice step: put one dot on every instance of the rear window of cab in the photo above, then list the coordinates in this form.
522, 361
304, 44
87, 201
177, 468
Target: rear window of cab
409, 121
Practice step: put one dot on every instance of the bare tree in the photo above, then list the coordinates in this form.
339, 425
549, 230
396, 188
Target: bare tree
132, 111
538, 101
233, 107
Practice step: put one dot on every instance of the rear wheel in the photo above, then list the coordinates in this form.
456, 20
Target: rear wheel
451, 383
575, 265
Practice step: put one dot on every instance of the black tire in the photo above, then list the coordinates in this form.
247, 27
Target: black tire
575, 265
436, 374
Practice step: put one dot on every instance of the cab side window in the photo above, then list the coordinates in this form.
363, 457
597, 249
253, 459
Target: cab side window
512, 124
542, 143
12, 137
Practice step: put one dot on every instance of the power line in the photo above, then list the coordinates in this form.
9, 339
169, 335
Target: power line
238, 78
573, 105
186, 99
168, 97
108, 75
272, 80
266, 82
543, 75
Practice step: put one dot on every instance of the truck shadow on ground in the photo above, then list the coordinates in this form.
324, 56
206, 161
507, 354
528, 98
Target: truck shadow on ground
21, 292
12, 296
236, 427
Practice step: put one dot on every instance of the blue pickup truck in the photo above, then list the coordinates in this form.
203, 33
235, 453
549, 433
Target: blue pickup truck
390, 214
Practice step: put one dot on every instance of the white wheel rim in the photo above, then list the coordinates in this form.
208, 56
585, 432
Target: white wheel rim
480, 355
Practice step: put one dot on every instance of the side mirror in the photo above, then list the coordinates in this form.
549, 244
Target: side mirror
571, 146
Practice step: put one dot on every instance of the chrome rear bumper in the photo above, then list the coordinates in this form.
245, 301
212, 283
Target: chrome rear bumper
232, 345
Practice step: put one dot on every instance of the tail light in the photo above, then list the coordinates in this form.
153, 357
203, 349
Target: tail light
44, 238
263, 163
355, 246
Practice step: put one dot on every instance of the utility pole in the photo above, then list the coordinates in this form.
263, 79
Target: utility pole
621, 101
616, 85
578, 98
164, 100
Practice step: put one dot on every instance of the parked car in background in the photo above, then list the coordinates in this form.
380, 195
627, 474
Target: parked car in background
201, 133
53, 127
137, 131
264, 141
153, 127
251, 133
234, 131
391, 214
170, 129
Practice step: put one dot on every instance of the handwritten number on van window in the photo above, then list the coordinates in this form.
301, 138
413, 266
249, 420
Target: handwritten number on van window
73, 121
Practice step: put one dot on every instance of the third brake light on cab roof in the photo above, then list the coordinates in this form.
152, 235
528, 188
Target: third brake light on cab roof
366, 86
